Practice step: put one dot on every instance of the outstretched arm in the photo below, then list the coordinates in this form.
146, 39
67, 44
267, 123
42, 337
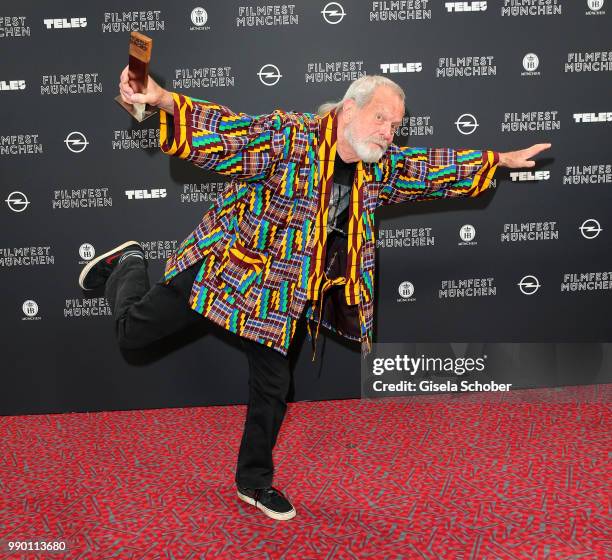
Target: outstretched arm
415, 174
522, 158
210, 135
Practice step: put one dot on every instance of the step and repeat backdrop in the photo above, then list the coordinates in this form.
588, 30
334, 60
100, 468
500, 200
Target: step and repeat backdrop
527, 262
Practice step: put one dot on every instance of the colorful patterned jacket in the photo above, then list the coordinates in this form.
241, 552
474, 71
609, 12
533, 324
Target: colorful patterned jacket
261, 245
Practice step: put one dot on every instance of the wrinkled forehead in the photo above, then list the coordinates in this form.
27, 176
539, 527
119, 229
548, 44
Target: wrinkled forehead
388, 102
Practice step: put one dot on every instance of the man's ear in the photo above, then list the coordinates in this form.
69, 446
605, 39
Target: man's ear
348, 108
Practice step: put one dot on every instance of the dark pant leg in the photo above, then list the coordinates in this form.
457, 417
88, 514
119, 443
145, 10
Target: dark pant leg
142, 314
269, 378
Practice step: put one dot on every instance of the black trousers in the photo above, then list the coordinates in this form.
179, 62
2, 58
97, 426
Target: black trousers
144, 315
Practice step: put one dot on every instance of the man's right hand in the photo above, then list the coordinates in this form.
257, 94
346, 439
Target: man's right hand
156, 95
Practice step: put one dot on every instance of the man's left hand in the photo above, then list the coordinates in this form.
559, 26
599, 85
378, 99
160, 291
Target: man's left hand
521, 158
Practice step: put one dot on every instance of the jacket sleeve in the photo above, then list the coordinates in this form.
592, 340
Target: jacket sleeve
213, 137
430, 173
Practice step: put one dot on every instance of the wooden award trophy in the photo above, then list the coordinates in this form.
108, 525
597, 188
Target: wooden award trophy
138, 72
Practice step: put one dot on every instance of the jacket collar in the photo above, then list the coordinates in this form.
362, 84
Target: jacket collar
317, 280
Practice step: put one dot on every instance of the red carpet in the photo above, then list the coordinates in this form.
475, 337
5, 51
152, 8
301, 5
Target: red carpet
430, 478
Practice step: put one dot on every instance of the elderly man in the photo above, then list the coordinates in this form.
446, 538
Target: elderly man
292, 234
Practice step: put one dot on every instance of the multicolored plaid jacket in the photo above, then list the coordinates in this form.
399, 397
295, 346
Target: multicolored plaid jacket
262, 244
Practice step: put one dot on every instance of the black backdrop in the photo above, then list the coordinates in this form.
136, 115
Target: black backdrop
71, 159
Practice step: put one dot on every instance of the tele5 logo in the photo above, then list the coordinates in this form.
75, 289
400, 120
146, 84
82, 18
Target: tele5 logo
12, 85
530, 176
72, 23
465, 6
141, 194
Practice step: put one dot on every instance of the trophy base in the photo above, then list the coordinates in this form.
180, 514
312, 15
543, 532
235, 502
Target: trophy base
139, 111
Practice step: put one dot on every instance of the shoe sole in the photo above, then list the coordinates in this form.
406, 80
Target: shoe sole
270, 513
95, 261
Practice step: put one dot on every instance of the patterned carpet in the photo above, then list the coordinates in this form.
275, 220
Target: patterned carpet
443, 477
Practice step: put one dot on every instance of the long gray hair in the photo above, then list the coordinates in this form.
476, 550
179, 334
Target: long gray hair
361, 90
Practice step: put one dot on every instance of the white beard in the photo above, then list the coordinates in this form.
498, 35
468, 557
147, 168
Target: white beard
362, 147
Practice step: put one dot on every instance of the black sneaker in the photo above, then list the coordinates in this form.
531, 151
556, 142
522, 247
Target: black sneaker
97, 271
269, 500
